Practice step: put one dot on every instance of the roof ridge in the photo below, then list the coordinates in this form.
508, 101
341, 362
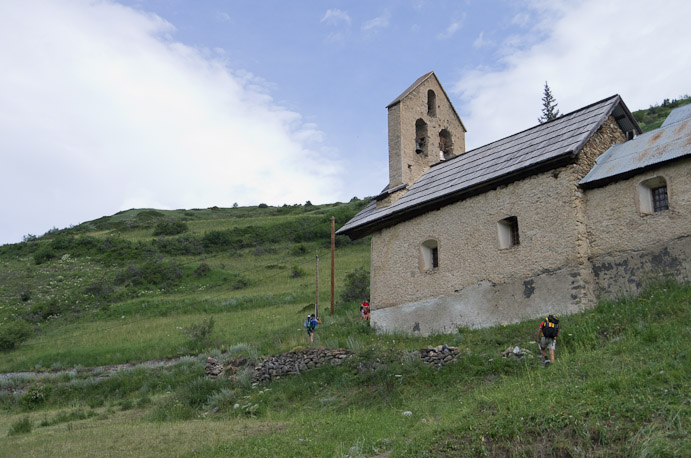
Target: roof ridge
545, 123
411, 88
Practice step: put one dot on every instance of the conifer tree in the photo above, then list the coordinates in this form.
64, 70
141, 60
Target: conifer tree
549, 106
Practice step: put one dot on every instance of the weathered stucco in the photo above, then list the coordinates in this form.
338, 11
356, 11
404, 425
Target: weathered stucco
630, 248
478, 284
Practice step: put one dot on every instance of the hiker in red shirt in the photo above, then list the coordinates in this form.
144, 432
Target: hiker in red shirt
364, 310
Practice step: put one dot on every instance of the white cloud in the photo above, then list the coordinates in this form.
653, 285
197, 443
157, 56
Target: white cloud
587, 50
380, 22
481, 41
335, 17
522, 19
222, 16
454, 27
100, 110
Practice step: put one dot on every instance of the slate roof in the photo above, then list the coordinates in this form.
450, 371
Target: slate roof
469, 173
669, 142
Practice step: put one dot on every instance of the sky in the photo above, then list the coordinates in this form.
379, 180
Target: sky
107, 105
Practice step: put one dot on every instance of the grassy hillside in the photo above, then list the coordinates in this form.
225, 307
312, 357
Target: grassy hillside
620, 387
171, 288
653, 117
131, 269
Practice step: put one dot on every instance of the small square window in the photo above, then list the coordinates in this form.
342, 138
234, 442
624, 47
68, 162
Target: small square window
429, 255
660, 202
653, 196
507, 230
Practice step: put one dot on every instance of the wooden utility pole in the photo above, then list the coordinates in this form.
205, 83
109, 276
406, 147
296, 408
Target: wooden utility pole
333, 257
316, 301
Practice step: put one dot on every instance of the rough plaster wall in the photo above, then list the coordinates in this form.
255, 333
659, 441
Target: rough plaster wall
616, 225
607, 135
627, 273
468, 243
405, 165
630, 249
485, 304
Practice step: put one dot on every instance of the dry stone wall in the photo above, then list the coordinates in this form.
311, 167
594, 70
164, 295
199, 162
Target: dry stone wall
295, 362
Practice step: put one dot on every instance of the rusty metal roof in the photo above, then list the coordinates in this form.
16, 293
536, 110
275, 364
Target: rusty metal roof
669, 142
456, 178
677, 115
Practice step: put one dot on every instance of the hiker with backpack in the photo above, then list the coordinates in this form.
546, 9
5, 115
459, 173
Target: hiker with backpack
547, 338
310, 323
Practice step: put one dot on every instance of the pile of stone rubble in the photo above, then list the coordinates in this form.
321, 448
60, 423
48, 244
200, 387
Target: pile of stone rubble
295, 362
439, 356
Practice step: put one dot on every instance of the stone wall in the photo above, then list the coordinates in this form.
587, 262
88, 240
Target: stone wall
607, 135
629, 248
476, 283
405, 165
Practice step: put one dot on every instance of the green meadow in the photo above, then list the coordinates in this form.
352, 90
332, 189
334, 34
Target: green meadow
238, 282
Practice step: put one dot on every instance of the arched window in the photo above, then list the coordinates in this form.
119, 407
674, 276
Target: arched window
431, 103
429, 255
445, 144
421, 137
652, 196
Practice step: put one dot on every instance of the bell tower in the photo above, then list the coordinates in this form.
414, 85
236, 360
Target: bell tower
424, 129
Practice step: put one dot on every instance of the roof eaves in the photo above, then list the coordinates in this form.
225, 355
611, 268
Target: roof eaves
617, 100
405, 213
604, 181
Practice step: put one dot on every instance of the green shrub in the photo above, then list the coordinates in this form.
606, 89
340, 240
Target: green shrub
13, 332
200, 333
297, 272
148, 216
221, 400
175, 246
35, 396
22, 426
202, 270
356, 285
170, 228
158, 273
45, 253
298, 250
43, 310
237, 281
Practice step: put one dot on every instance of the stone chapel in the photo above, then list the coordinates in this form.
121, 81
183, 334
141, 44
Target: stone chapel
548, 220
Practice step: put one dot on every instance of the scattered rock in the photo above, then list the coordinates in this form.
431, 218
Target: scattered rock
214, 367
516, 352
